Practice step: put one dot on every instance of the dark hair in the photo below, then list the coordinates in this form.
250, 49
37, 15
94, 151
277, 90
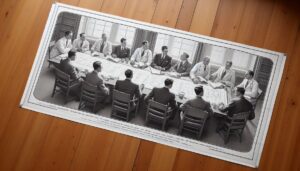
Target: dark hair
168, 82
81, 34
144, 42
96, 65
164, 47
251, 73
186, 55
229, 62
123, 39
67, 33
71, 54
240, 90
198, 90
128, 73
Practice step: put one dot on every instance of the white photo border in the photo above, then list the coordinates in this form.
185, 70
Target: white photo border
250, 158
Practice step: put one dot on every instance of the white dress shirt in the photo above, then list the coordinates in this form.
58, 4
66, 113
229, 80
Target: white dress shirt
78, 44
228, 79
200, 70
62, 46
107, 49
251, 89
146, 58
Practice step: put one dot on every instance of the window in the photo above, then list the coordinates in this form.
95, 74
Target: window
94, 28
162, 40
217, 55
243, 60
126, 32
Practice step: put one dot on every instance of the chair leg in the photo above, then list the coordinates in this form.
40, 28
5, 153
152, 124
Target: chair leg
226, 139
94, 107
53, 92
164, 125
67, 95
180, 128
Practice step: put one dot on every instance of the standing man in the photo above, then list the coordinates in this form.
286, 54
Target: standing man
201, 71
81, 44
102, 46
162, 61
183, 67
225, 75
63, 45
121, 51
142, 54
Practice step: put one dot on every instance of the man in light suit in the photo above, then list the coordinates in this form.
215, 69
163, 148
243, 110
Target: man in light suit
63, 45
102, 46
201, 71
225, 75
122, 51
81, 44
164, 96
183, 67
162, 61
197, 102
142, 55
94, 78
250, 86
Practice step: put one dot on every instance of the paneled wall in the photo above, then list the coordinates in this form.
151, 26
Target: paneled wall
33, 141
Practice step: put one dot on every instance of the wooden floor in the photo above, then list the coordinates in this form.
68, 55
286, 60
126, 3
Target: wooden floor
33, 141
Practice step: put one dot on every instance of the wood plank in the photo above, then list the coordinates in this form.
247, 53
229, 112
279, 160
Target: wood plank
134, 9
204, 16
186, 14
167, 16
144, 155
163, 158
91, 4
114, 7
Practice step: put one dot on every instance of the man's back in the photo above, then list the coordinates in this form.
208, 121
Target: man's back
94, 79
238, 106
163, 96
198, 103
128, 87
67, 68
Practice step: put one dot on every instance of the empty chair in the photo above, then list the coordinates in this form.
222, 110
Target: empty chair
233, 125
63, 84
158, 113
193, 120
123, 105
90, 96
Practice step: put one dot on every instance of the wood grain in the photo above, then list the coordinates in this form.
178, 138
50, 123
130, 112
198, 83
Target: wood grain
33, 141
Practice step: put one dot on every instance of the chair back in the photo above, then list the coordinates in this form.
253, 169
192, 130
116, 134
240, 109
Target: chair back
89, 92
157, 110
195, 116
51, 44
239, 120
121, 101
62, 79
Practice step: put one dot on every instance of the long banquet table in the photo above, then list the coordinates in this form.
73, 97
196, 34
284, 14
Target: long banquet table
115, 71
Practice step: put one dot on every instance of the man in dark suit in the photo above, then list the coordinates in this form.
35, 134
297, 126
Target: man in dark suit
197, 102
183, 67
162, 61
94, 78
121, 51
164, 96
239, 104
127, 86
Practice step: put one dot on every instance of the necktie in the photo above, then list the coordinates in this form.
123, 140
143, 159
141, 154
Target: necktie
101, 47
204, 67
81, 44
223, 74
143, 53
247, 83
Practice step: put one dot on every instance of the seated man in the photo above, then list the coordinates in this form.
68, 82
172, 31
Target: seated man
94, 78
164, 96
250, 86
63, 45
183, 67
197, 102
201, 71
102, 46
142, 55
127, 86
121, 51
225, 75
81, 44
238, 105
162, 61
75, 76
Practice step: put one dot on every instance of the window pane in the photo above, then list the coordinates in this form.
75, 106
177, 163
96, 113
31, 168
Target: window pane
240, 59
217, 54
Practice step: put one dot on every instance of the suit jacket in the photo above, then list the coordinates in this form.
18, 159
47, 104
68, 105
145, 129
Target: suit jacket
128, 87
125, 53
200, 70
145, 58
238, 106
94, 79
183, 68
78, 44
163, 96
199, 103
69, 69
164, 63
229, 77
62, 46
107, 49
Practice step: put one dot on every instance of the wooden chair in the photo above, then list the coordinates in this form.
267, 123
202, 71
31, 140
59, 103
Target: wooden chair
260, 92
63, 84
158, 112
234, 125
123, 105
90, 96
51, 44
193, 120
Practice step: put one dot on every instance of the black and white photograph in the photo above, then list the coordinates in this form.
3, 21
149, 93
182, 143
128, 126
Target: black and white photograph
193, 92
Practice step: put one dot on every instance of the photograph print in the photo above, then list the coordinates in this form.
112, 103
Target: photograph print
188, 91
